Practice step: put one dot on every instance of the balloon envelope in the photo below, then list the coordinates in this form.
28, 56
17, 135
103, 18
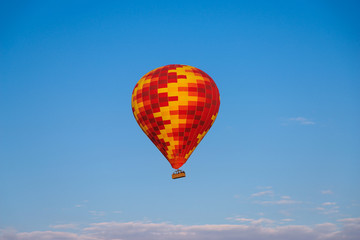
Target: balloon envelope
175, 105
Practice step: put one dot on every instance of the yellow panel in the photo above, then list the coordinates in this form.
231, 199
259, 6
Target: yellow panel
174, 106
163, 90
157, 114
183, 94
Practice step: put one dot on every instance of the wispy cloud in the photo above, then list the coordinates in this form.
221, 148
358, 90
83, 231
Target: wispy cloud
269, 197
328, 208
287, 220
326, 192
282, 201
355, 221
240, 219
83, 204
41, 235
97, 213
251, 220
64, 226
285, 212
263, 193
279, 202
301, 120
154, 231
329, 203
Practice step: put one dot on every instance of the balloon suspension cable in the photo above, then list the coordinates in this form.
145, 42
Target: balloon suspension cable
178, 174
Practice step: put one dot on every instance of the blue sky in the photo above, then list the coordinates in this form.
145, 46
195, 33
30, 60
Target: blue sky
283, 153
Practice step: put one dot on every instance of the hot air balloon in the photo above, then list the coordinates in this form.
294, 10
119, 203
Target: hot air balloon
176, 105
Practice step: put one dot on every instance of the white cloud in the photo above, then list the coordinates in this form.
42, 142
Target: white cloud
242, 219
279, 202
270, 193
287, 220
285, 197
64, 226
164, 231
330, 211
329, 231
42, 235
263, 193
326, 192
262, 221
328, 208
351, 227
329, 203
252, 221
82, 204
350, 220
97, 213
353, 223
302, 121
